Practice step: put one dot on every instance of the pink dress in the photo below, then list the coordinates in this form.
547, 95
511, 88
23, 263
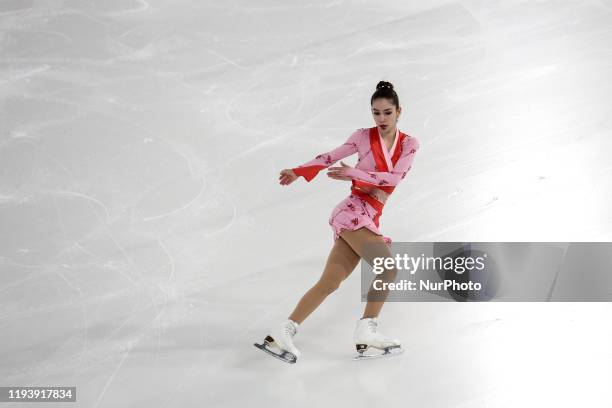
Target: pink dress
376, 168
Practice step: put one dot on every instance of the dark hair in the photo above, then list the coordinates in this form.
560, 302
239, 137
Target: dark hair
385, 90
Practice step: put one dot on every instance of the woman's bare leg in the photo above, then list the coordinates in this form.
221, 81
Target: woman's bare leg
340, 263
368, 245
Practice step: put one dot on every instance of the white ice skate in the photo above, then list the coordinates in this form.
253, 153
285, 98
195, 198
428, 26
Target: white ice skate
371, 344
280, 342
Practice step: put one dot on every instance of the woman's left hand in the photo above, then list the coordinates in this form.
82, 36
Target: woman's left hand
339, 173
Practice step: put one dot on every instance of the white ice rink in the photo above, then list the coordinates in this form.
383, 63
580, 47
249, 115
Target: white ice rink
145, 242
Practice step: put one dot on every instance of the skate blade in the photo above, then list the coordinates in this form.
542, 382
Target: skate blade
285, 355
386, 352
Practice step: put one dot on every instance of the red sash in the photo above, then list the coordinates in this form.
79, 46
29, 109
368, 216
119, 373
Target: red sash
381, 165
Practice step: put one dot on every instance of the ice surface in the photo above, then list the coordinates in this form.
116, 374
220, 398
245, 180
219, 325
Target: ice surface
146, 243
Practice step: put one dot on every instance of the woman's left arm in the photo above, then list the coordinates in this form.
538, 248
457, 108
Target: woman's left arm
384, 178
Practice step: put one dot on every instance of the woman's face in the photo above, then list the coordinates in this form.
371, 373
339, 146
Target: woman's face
385, 114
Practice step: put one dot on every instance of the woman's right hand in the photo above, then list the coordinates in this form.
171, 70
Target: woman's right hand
287, 176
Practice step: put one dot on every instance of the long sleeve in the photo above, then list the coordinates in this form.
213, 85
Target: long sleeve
310, 169
383, 178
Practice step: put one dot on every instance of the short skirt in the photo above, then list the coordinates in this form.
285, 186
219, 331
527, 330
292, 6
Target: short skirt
353, 213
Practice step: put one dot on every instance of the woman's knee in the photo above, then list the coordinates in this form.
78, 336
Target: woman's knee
388, 275
327, 286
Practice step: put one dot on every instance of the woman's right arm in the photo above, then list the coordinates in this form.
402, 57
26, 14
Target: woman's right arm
310, 169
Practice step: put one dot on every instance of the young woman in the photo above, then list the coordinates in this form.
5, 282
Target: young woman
385, 156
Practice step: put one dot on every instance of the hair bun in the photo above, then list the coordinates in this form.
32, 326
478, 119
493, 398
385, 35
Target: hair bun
384, 84
385, 90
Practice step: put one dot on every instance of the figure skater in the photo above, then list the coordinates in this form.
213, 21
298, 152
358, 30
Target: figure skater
385, 156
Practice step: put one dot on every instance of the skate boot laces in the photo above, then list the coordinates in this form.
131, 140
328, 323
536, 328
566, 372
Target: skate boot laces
290, 329
372, 325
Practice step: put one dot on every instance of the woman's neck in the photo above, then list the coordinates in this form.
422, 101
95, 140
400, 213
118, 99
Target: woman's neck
389, 134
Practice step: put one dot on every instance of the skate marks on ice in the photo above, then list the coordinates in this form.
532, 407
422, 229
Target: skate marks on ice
269, 346
367, 353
